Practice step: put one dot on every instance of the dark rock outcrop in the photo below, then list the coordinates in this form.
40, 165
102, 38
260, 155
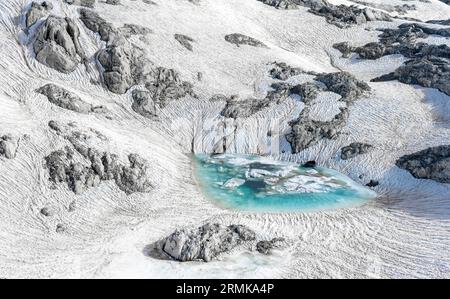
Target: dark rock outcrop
185, 41
344, 84
307, 132
283, 71
57, 45
355, 149
241, 39
37, 11
143, 103
8, 146
204, 243
67, 100
432, 163
266, 247
97, 24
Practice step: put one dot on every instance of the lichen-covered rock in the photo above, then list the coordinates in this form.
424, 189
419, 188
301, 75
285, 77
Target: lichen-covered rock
8, 146
241, 39
432, 163
307, 132
66, 99
185, 41
57, 45
37, 11
344, 84
205, 243
355, 149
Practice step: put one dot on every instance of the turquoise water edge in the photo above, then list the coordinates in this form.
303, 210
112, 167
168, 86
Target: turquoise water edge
255, 183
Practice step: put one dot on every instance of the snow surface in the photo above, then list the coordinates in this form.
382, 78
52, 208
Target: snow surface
404, 233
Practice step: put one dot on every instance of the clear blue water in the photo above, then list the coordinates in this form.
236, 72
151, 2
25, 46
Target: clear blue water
254, 183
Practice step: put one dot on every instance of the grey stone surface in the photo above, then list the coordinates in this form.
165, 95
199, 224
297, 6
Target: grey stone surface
344, 84
82, 166
143, 103
57, 44
204, 243
355, 149
185, 41
67, 100
307, 132
37, 11
97, 24
266, 247
432, 163
8, 146
241, 39
283, 71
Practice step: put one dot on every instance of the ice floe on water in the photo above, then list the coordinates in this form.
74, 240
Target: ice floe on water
255, 183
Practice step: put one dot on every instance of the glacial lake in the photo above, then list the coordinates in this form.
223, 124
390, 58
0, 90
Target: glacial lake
255, 183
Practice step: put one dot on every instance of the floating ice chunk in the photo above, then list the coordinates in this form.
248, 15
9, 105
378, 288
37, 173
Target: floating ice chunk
257, 173
233, 183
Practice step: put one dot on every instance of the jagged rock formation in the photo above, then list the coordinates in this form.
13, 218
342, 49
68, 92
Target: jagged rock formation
427, 72
37, 11
236, 108
338, 15
64, 165
143, 103
266, 247
97, 24
344, 84
241, 39
307, 91
166, 85
67, 100
204, 243
8, 146
432, 163
307, 132
185, 41
430, 64
354, 149
57, 45
283, 71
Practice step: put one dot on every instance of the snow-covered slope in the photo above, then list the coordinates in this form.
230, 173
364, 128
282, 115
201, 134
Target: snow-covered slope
104, 231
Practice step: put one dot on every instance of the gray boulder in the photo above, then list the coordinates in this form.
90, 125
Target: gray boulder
185, 41
355, 149
204, 243
344, 84
57, 45
37, 11
283, 71
8, 146
143, 103
97, 24
266, 247
432, 163
133, 178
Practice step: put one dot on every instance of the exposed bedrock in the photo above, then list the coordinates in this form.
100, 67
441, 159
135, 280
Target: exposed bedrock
338, 15
83, 167
243, 108
8, 146
307, 91
344, 84
37, 11
427, 72
166, 85
266, 247
307, 132
67, 100
143, 103
185, 41
204, 243
97, 24
283, 71
241, 39
432, 163
57, 45
355, 149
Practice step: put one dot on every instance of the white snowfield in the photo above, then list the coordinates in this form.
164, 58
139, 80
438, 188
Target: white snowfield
404, 233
